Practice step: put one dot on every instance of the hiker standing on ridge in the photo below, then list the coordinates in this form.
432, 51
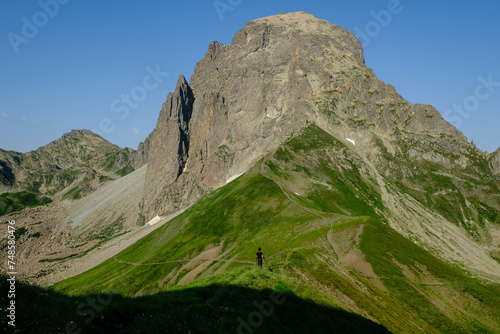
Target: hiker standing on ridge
259, 257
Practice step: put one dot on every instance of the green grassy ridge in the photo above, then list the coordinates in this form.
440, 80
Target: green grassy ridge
226, 213
347, 190
221, 216
17, 201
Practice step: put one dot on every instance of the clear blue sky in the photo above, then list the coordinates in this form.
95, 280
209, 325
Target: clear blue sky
72, 72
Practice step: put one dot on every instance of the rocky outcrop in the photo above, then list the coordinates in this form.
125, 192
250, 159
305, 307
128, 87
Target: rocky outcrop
494, 161
168, 150
141, 155
7, 177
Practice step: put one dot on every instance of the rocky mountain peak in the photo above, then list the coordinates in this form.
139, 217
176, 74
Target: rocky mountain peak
304, 30
76, 133
279, 73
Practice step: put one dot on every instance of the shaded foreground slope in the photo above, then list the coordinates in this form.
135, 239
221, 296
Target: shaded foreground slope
243, 304
321, 220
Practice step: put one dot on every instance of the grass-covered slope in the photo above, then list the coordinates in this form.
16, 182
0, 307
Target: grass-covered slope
319, 217
17, 201
462, 188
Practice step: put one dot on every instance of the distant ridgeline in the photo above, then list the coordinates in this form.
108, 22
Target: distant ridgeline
68, 168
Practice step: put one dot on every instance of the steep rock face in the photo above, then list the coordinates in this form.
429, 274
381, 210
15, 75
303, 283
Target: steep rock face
168, 144
141, 155
278, 74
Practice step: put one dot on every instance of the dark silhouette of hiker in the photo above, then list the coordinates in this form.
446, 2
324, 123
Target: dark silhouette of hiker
260, 257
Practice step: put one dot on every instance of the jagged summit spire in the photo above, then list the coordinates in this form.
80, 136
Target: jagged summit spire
181, 81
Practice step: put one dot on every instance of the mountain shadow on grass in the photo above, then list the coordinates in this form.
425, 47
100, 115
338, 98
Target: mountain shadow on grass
209, 309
